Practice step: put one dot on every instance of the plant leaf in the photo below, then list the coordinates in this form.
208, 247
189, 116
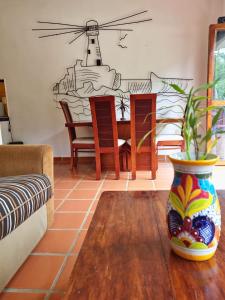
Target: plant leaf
206, 86
209, 148
207, 136
143, 139
177, 88
199, 98
219, 131
208, 108
216, 117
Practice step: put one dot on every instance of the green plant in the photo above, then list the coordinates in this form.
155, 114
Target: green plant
219, 91
192, 129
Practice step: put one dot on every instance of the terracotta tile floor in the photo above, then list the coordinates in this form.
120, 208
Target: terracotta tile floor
46, 272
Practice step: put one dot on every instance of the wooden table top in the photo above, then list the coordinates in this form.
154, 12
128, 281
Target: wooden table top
126, 255
127, 121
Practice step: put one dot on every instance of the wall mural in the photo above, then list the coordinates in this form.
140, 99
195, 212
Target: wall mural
92, 77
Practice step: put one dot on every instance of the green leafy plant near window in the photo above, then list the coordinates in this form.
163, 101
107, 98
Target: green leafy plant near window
219, 91
192, 127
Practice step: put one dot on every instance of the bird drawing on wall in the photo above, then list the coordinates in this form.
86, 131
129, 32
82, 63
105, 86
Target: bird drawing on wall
121, 41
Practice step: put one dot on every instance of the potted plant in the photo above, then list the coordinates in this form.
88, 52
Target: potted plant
193, 212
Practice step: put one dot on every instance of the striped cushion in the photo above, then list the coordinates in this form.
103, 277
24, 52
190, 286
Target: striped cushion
20, 197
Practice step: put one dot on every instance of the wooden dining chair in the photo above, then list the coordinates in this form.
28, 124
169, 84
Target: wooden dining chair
173, 141
105, 131
76, 143
140, 106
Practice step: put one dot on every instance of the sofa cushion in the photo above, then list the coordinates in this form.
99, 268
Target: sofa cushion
20, 197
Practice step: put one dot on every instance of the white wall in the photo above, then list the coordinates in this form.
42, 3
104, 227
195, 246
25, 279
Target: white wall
223, 9
174, 44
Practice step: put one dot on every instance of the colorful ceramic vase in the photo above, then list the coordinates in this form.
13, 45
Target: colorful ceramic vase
194, 219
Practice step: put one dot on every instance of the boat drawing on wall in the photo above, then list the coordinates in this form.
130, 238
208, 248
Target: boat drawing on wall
94, 78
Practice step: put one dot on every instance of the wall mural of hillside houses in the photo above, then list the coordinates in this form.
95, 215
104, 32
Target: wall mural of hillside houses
91, 76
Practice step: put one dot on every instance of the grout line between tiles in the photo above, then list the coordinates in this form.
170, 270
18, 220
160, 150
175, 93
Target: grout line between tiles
70, 211
153, 183
79, 199
66, 229
127, 183
28, 291
57, 206
71, 190
66, 189
61, 269
51, 254
56, 180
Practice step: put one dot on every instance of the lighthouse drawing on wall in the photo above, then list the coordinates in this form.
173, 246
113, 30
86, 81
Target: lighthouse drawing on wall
93, 49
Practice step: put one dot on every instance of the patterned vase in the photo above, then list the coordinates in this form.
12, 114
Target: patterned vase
194, 219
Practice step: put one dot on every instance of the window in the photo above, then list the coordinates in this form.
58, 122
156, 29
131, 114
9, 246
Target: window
219, 65
98, 62
89, 51
93, 41
216, 95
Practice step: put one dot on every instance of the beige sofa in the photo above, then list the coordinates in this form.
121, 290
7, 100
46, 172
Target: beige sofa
17, 245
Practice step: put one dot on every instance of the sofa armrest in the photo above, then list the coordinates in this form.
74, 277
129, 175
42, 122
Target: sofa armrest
26, 159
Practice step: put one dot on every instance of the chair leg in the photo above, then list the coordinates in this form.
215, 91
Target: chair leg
153, 174
128, 160
133, 164
72, 160
153, 164
117, 164
98, 166
76, 158
124, 158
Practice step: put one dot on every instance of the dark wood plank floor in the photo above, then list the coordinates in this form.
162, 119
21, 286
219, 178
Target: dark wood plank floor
126, 255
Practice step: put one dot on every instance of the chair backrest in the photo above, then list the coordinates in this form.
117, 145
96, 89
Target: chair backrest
143, 120
104, 121
69, 119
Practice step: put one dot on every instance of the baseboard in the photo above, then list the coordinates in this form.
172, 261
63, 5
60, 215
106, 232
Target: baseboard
91, 160
66, 160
